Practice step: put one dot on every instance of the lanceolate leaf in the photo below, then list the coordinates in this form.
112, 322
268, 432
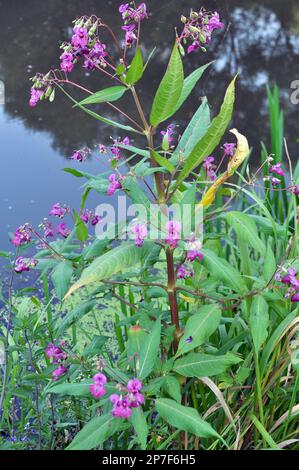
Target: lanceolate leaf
122, 257
259, 321
61, 278
75, 389
97, 116
163, 162
149, 351
199, 327
196, 129
136, 69
184, 418
138, 420
75, 315
222, 270
169, 90
204, 365
95, 432
211, 139
190, 82
245, 229
103, 96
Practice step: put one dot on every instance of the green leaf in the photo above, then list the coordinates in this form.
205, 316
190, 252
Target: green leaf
259, 321
196, 129
75, 315
136, 150
75, 389
163, 162
211, 139
204, 365
61, 278
136, 69
97, 116
169, 90
149, 351
222, 270
95, 433
172, 387
184, 418
199, 326
140, 426
95, 347
112, 262
81, 229
104, 96
269, 264
245, 229
190, 82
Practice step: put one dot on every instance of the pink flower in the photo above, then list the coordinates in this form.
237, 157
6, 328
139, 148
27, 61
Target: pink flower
85, 216
210, 167
275, 181
24, 264
134, 385
97, 390
22, 235
229, 149
36, 95
95, 220
48, 229
80, 37
114, 184
276, 169
295, 190
66, 64
63, 230
183, 272
140, 231
295, 297
121, 407
168, 136
61, 370
174, 231
136, 399
100, 379
55, 352
194, 248
214, 22
58, 210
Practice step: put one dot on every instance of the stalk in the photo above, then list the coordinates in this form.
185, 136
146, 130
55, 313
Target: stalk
171, 290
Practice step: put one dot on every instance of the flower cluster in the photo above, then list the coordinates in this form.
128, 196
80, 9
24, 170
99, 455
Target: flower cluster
173, 228
210, 168
41, 89
24, 264
59, 211
59, 356
140, 233
114, 151
122, 405
97, 389
22, 235
276, 170
229, 149
114, 184
198, 29
81, 155
185, 270
290, 279
132, 16
86, 44
89, 216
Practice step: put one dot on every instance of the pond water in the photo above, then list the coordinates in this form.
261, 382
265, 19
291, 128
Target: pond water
262, 44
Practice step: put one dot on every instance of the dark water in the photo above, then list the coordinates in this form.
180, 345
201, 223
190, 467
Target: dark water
262, 44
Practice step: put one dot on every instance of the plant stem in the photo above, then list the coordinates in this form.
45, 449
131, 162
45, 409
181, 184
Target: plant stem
171, 290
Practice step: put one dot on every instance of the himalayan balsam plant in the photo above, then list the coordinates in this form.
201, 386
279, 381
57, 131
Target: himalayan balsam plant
203, 319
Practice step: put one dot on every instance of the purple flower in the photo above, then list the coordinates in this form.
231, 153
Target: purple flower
214, 22
81, 155
198, 28
85, 216
295, 190
121, 407
22, 235
193, 47
61, 370
174, 231
63, 230
24, 264
80, 38
275, 181
134, 385
140, 232
136, 399
100, 379
189, 339
35, 97
95, 220
194, 248
48, 229
168, 137
67, 63
56, 353
114, 184
209, 166
184, 272
102, 148
97, 390
126, 141
229, 149
276, 169
295, 297
58, 210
